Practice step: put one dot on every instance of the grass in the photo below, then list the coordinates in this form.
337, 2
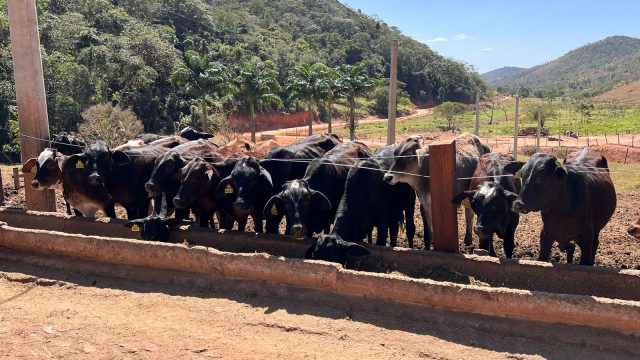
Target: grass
626, 178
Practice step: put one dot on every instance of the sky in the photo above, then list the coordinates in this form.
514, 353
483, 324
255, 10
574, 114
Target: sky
490, 34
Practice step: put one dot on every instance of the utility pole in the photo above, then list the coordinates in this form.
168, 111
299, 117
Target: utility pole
539, 126
515, 131
393, 93
30, 93
477, 112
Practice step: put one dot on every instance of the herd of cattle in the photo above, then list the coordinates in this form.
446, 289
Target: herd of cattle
322, 185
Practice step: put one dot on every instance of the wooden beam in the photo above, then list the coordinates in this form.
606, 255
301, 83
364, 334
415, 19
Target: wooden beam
393, 92
30, 93
442, 170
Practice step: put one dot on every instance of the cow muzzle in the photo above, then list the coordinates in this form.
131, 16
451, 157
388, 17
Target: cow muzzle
96, 180
518, 207
634, 231
152, 189
297, 231
388, 178
479, 230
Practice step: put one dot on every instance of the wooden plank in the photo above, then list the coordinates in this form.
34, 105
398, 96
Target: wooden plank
442, 166
30, 93
16, 178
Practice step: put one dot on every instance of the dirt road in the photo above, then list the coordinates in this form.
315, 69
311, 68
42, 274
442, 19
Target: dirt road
48, 313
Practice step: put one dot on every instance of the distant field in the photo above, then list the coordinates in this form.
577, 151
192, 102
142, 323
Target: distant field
624, 95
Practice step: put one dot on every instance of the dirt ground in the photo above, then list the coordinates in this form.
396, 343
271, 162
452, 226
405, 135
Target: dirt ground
48, 313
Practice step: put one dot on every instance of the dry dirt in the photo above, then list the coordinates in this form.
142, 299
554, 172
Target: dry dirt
48, 313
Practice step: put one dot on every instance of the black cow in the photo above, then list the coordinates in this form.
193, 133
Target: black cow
197, 192
332, 249
491, 195
369, 201
165, 176
576, 201
192, 134
248, 188
310, 204
122, 173
68, 144
155, 227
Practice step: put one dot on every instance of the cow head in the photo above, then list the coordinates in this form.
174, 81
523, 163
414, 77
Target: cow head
47, 168
198, 177
248, 185
305, 209
100, 161
634, 228
492, 204
542, 179
154, 228
164, 172
333, 249
68, 144
412, 158
190, 133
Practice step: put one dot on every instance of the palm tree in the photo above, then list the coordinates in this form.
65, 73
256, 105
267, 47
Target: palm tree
201, 78
329, 87
354, 82
307, 85
257, 85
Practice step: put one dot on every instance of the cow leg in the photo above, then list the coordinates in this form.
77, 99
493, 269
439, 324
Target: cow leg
381, 238
427, 229
586, 248
203, 220
242, 224
394, 229
570, 251
182, 214
410, 226
596, 242
468, 217
68, 206
110, 211
486, 243
257, 224
509, 241
545, 246
273, 225
78, 213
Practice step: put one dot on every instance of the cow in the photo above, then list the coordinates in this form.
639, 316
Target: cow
575, 200
237, 147
369, 201
309, 204
168, 141
261, 148
587, 157
192, 134
332, 249
68, 144
186, 134
491, 194
165, 175
412, 165
122, 173
155, 227
200, 179
634, 228
247, 188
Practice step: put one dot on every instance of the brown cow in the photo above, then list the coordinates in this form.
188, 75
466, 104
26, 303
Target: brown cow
634, 228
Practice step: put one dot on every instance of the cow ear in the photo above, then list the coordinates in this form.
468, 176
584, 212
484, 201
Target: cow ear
225, 189
173, 223
247, 146
266, 177
458, 199
513, 167
273, 207
27, 168
120, 158
77, 161
511, 196
561, 171
320, 201
354, 249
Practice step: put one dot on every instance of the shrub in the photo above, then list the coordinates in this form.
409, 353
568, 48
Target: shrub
113, 125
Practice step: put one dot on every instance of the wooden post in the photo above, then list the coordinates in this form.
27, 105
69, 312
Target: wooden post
625, 156
1, 189
16, 178
393, 92
442, 161
30, 93
618, 138
606, 140
539, 126
477, 132
515, 132
632, 139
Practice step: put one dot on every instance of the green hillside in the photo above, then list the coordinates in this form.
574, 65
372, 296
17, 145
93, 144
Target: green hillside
123, 51
591, 69
501, 73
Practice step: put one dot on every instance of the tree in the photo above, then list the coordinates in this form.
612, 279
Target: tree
450, 110
380, 97
110, 124
330, 88
308, 85
201, 78
257, 85
585, 108
354, 82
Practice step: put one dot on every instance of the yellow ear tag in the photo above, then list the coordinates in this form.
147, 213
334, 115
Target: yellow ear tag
79, 165
228, 189
274, 210
135, 228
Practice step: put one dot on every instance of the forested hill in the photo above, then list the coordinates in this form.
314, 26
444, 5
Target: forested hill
591, 69
123, 51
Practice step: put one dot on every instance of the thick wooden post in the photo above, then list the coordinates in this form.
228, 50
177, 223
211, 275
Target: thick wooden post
516, 130
393, 92
30, 93
16, 179
442, 170
539, 128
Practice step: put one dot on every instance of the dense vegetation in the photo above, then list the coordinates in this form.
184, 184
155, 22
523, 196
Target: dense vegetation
591, 69
501, 73
123, 52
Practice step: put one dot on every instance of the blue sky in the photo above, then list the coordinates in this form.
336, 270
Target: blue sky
490, 34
